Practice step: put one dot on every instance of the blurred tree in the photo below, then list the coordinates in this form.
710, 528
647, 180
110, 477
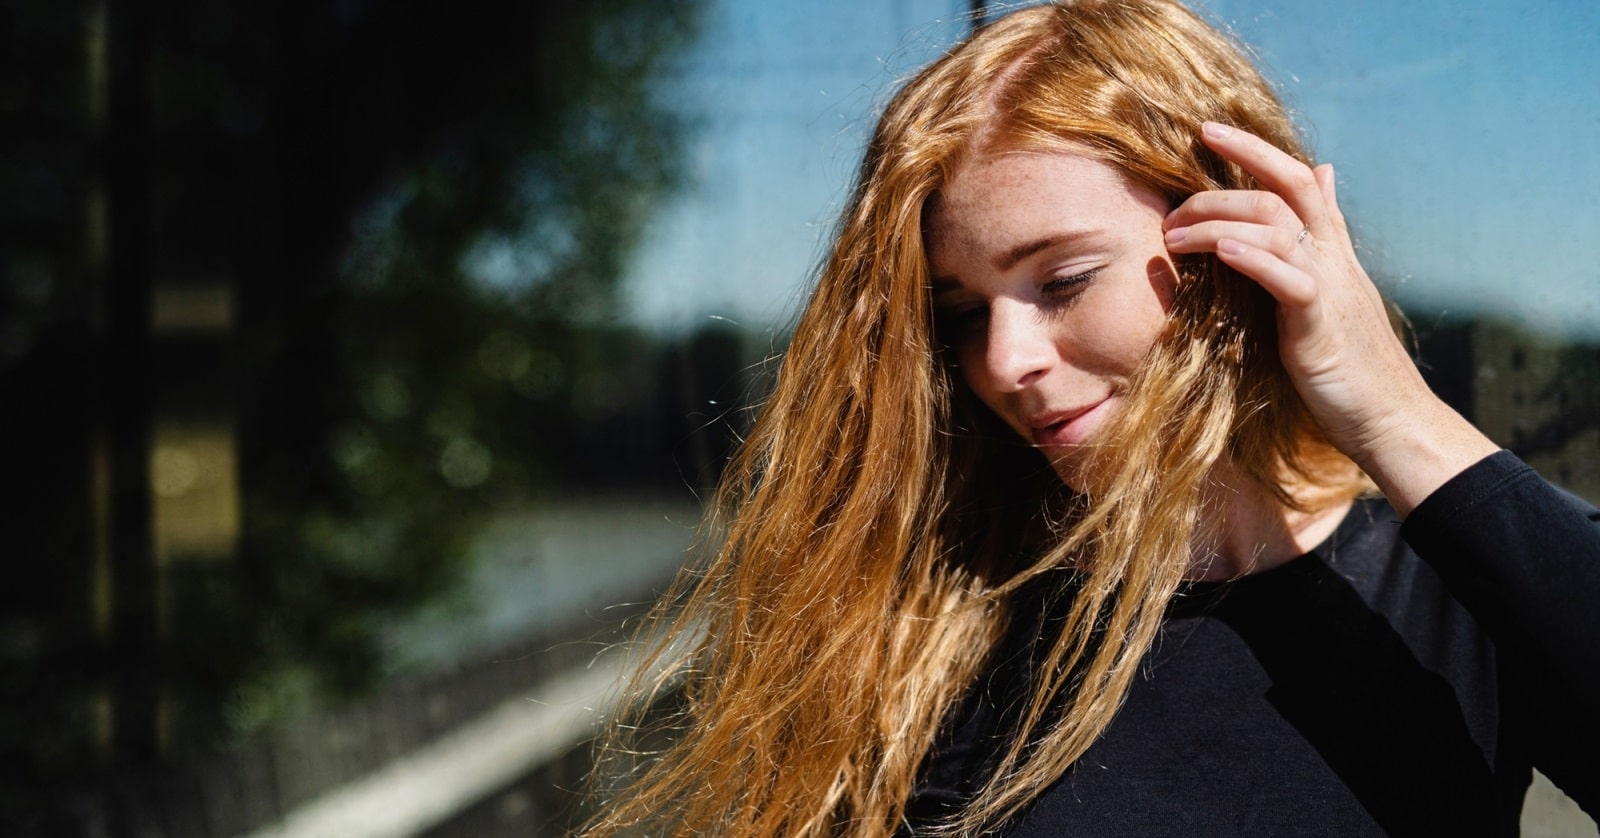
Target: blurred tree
460, 184
1572, 395
416, 214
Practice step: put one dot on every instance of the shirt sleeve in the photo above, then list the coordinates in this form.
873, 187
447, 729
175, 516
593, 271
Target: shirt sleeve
1524, 558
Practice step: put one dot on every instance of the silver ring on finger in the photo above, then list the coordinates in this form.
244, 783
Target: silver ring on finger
1304, 231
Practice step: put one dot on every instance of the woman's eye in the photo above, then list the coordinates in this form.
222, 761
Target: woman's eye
960, 321
1064, 285
967, 317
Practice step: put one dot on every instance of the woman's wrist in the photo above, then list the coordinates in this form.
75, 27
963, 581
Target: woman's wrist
1421, 453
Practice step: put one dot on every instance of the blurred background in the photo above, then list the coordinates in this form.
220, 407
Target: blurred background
363, 363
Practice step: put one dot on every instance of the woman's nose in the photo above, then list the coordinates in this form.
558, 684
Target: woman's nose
1020, 348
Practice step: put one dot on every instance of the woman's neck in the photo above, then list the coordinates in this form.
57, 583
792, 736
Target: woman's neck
1249, 530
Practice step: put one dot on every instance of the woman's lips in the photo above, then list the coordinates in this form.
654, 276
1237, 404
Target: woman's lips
1068, 427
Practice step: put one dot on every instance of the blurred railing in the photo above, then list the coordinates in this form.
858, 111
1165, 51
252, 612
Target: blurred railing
411, 760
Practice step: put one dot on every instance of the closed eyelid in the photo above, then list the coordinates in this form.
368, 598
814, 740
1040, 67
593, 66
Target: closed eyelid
943, 285
1075, 276
948, 298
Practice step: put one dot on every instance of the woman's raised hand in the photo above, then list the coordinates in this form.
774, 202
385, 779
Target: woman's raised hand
1334, 331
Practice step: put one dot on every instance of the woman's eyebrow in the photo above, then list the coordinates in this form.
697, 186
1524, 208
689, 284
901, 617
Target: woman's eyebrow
1007, 260
944, 284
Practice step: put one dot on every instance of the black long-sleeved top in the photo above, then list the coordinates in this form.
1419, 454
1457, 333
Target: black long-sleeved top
1398, 679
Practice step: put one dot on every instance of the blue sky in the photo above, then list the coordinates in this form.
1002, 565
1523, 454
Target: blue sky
1466, 136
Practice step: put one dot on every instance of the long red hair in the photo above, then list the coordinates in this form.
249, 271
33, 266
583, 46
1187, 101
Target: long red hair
865, 538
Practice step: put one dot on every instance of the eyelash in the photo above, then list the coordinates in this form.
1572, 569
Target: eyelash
1064, 284
1058, 293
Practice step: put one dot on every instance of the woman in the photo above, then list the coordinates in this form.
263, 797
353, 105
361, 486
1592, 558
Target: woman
1092, 341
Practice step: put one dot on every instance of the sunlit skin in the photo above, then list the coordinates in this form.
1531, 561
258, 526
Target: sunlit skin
1334, 335
1052, 277
1052, 280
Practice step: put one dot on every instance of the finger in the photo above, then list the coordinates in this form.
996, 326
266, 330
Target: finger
1327, 186
1289, 178
1327, 183
1205, 236
1252, 206
1289, 285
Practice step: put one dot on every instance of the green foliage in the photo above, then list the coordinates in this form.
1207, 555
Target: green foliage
483, 257
1572, 392
419, 213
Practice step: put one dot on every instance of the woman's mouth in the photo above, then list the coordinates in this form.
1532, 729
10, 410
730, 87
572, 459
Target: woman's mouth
1062, 428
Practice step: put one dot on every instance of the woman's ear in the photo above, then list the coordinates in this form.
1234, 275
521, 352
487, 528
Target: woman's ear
1164, 278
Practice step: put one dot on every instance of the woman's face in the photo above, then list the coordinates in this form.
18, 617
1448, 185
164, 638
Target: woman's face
1051, 281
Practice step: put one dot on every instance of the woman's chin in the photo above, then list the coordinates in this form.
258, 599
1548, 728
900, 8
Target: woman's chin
1069, 465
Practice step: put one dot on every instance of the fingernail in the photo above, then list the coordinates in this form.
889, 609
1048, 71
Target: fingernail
1216, 130
1177, 234
1230, 247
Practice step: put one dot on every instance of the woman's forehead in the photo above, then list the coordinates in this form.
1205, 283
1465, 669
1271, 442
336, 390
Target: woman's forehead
1023, 188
